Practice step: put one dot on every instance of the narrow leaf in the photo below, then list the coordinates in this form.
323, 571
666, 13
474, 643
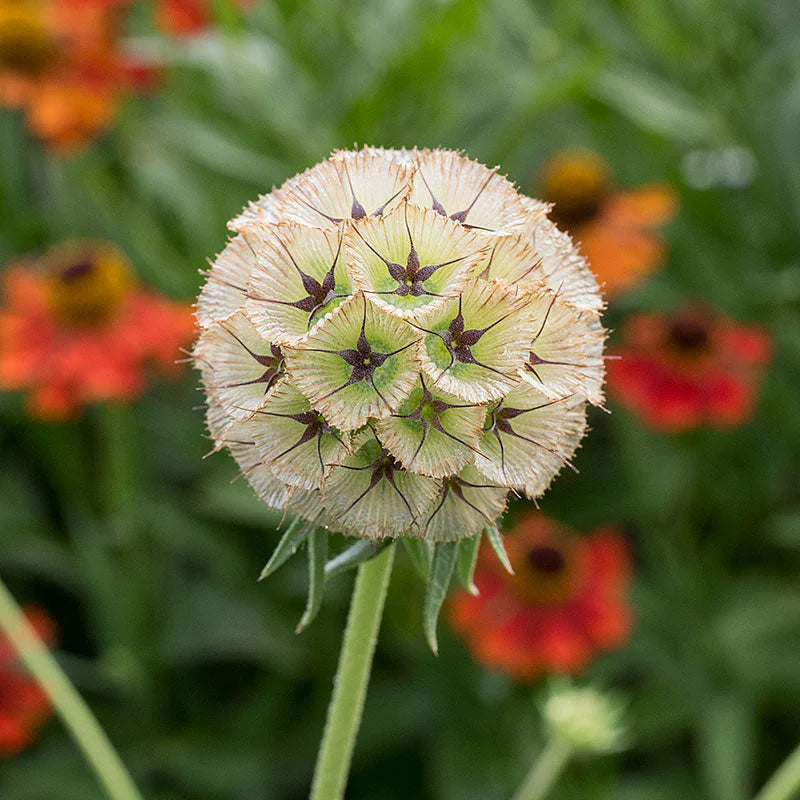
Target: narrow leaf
421, 555
295, 536
496, 541
444, 560
362, 550
317, 555
467, 559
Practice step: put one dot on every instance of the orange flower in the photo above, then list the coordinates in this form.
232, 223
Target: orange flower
79, 330
689, 369
60, 62
565, 602
618, 231
23, 705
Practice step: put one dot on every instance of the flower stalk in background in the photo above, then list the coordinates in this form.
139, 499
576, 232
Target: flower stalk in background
62, 64
690, 368
565, 602
76, 329
392, 341
28, 636
617, 230
578, 721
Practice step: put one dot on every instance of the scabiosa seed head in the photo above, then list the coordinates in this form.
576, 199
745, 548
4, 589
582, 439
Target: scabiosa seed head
394, 340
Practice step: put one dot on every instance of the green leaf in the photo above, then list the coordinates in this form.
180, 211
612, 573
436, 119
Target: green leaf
317, 555
363, 550
467, 559
421, 554
444, 560
496, 541
295, 536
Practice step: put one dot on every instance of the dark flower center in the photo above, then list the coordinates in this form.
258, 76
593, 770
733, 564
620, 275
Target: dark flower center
689, 332
578, 184
87, 289
26, 46
546, 559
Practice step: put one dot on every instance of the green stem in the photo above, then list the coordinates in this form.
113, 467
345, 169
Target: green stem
785, 783
352, 677
545, 771
74, 712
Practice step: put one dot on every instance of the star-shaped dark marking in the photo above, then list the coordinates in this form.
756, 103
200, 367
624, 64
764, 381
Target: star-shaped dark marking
458, 216
435, 407
456, 485
411, 277
315, 428
357, 211
273, 363
460, 341
362, 359
534, 360
319, 294
383, 467
498, 421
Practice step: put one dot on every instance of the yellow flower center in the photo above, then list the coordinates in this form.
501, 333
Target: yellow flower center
88, 287
27, 46
577, 181
547, 575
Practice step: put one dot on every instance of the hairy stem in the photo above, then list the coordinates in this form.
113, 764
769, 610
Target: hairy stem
352, 677
71, 707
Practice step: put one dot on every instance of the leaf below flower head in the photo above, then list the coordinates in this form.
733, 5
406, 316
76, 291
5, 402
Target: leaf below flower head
317, 548
360, 363
293, 538
444, 561
299, 277
467, 561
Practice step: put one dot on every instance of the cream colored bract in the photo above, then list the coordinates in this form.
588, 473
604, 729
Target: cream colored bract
394, 340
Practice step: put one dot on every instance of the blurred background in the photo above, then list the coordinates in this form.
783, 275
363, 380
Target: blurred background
146, 126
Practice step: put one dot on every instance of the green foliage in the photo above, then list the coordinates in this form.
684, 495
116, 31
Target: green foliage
147, 555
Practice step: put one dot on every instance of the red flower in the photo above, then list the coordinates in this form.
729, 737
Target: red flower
23, 705
565, 602
617, 230
80, 331
689, 369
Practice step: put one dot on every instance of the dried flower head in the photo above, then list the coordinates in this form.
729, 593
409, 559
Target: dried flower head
395, 339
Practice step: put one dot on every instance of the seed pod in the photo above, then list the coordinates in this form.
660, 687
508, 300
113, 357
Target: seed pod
394, 340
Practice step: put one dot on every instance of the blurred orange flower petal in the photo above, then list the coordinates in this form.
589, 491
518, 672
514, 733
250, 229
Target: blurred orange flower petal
80, 331
617, 230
